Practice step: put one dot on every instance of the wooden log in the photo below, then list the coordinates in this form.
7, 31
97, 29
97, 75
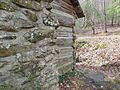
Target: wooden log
67, 11
71, 7
66, 5
57, 1
67, 1
65, 20
64, 41
75, 3
79, 12
57, 7
65, 29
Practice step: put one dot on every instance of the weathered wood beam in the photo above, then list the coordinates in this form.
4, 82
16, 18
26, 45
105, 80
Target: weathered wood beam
66, 5
67, 1
65, 21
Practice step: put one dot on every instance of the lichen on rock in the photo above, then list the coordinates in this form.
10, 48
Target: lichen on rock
51, 20
39, 34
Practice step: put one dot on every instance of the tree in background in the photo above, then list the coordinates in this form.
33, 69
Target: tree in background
99, 13
113, 12
90, 14
105, 16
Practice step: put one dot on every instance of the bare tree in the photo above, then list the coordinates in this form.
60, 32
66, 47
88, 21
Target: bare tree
105, 19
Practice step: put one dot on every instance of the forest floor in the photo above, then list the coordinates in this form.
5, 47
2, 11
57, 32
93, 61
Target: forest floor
98, 62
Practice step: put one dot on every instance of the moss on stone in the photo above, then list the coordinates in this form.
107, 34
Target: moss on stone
7, 7
29, 4
6, 52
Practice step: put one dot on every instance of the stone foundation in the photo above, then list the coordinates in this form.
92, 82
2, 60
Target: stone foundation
33, 53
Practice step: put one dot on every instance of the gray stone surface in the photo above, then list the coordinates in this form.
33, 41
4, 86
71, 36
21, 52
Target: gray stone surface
32, 55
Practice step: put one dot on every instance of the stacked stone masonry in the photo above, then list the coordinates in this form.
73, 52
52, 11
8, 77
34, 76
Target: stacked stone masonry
35, 49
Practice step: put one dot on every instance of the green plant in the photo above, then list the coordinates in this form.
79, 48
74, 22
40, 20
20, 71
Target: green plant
66, 76
100, 46
81, 44
113, 11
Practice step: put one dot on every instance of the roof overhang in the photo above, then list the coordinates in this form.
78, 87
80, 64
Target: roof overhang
78, 9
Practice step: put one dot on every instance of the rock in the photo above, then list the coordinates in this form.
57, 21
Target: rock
51, 20
106, 86
7, 28
20, 23
96, 77
4, 52
49, 58
39, 34
44, 51
29, 4
2, 64
29, 47
15, 24
10, 50
7, 7
49, 1
65, 68
64, 41
48, 7
8, 37
31, 15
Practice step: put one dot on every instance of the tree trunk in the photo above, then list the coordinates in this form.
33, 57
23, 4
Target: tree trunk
105, 19
112, 21
93, 26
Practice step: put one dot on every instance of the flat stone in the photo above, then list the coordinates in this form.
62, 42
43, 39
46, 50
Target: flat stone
7, 7
96, 77
39, 34
15, 24
49, 58
29, 4
13, 50
30, 15
8, 37
7, 28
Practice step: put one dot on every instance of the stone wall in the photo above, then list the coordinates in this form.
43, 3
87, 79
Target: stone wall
34, 51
